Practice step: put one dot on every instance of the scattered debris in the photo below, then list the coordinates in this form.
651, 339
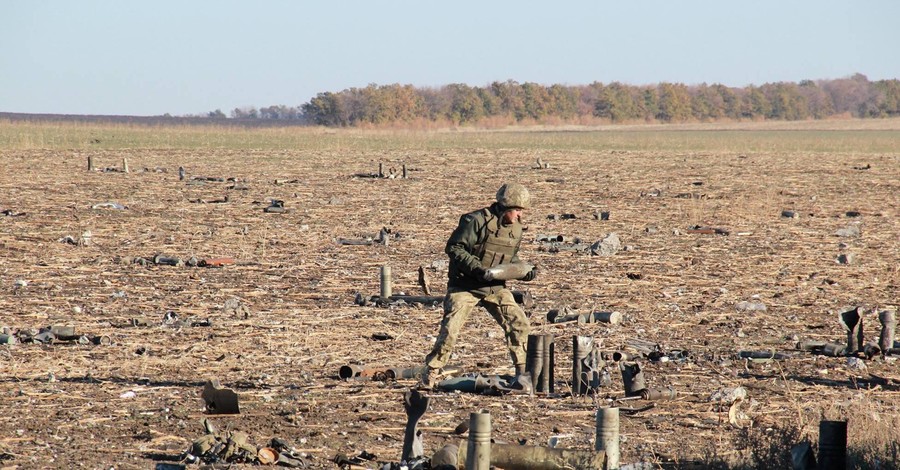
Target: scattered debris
708, 230
608, 246
109, 205
220, 400
790, 214
850, 231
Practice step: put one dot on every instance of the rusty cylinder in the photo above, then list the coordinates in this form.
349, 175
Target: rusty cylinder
607, 437
888, 325
90, 163
832, 445
386, 289
125, 165
478, 450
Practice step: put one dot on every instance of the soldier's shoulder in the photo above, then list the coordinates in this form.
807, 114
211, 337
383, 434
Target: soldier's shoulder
475, 216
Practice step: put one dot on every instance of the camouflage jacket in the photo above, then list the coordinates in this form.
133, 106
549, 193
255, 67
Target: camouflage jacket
469, 255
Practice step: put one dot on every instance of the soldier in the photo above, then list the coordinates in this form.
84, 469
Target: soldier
483, 239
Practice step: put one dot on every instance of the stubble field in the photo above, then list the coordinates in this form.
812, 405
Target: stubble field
277, 325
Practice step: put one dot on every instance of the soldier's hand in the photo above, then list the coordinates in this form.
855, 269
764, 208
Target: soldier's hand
531, 275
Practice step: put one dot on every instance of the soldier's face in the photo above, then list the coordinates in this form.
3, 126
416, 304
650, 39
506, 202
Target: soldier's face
511, 215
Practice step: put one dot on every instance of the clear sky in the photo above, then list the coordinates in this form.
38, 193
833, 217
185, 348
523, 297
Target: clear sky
194, 56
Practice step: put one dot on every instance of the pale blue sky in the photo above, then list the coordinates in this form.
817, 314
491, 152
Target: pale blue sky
190, 57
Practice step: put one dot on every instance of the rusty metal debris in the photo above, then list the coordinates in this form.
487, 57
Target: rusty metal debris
697, 229
415, 404
220, 400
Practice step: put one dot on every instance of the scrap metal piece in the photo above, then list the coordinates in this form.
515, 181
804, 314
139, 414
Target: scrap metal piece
509, 271
219, 400
415, 405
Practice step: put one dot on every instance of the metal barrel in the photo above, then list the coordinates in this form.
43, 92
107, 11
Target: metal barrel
888, 325
350, 371
386, 289
832, 445
607, 436
534, 358
478, 450
90, 163
632, 378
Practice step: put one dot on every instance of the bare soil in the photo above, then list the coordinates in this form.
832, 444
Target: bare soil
137, 402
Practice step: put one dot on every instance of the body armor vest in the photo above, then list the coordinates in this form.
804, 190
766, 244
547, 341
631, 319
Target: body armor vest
501, 242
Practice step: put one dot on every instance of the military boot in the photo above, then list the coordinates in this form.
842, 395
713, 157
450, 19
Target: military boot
426, 380
522, 380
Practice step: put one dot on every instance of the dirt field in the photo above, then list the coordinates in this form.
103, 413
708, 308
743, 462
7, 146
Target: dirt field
136, 401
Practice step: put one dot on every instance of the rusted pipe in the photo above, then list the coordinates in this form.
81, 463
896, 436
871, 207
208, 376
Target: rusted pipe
478, 450
539, 458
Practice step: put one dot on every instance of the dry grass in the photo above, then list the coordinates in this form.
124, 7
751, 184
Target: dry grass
68, 401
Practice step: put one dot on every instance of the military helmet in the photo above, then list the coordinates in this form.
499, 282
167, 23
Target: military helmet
513, 195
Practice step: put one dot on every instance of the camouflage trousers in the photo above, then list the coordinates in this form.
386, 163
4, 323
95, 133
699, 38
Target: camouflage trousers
458, 304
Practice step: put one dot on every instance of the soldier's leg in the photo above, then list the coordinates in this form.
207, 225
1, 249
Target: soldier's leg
502, 306
457, 306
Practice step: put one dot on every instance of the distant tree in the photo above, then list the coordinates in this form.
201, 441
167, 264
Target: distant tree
754, 103
563, 101
217, 114
785, 101
326, 109
466, 105
888, 97
674, 102
512, 100
849, 95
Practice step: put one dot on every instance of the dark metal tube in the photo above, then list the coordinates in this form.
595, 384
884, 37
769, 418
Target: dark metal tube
658, 394
833, 350
888, 325
852, 320
478, 450
632, 378
546, 383
350, 371
832, 445
534, 359
581, 348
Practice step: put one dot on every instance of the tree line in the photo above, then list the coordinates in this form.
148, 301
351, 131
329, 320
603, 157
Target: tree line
616, 102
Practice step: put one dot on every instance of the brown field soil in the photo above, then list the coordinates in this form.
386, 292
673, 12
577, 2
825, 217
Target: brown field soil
137, 401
